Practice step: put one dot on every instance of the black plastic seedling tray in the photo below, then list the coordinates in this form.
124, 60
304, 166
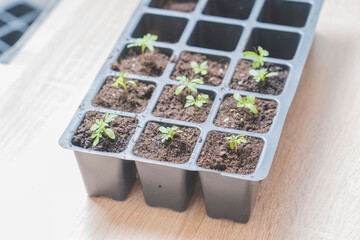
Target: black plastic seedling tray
14, 21
218, 28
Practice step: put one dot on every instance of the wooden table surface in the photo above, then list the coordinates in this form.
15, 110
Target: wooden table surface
312, 191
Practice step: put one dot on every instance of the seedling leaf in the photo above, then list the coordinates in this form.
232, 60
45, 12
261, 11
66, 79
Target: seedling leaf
168, 132
261, 74
198, 103
235, 141
259, 57
248, 102
146, 42
186, 83
101, 126
121, 81
199, 68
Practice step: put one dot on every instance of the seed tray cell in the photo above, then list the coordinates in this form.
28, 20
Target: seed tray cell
207, 31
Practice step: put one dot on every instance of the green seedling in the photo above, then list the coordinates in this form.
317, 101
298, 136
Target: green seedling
235, 141
199, 68
146, 42
121, 81
259, 57
186, 83
248, 102
262, 74
168, 132
100, 127
198, 103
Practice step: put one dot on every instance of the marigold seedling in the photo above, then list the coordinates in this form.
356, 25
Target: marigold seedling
248, 102
100, 127
198, 103
259, 57
235, 141
146, 42
199, 68
186, 83
121, 81
168, 132
262, 74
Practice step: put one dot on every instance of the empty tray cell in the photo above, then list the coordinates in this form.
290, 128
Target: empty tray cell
20, 10
12, 37
168, 29
176, 5
2, 23
239, 9
285, 13
217, 36
279, 44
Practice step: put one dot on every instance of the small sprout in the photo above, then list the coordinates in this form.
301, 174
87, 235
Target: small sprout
248, 102
199, 68
234, 141
261, 74
120, 80
201, 99
186, 83
259, 58
168, 133
100, 126
146, 42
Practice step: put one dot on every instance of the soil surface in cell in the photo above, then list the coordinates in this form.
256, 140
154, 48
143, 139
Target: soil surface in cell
149, 64
177, 5
242, 80
172, 106
123, 127
218, 155
135, 100
230, 116
216, 70
177, 150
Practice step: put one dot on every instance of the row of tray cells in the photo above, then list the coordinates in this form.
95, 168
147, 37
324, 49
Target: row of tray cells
14, 21
290, 13
218, 36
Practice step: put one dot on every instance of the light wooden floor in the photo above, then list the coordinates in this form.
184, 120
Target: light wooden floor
313, 189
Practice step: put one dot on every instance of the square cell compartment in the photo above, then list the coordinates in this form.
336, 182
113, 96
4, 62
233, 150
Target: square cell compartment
2, 23
168, 29
20, 10
279, 44
12, 37
214, 35
175, 5
285, 13
239, 9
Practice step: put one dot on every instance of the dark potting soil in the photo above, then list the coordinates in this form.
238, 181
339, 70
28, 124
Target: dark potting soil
123, 127
172, 106
177, 5
216, 70
177, 150
230, 116
135, 100
242, 80
217, 154
149, 64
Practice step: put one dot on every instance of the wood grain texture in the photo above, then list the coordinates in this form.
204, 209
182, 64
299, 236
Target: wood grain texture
312, 191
